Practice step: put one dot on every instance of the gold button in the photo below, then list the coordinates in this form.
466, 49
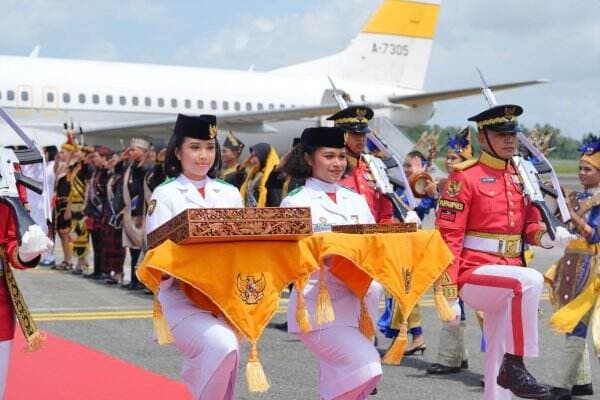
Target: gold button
512, 224
492, 193
511, 213
511, 204
509, 194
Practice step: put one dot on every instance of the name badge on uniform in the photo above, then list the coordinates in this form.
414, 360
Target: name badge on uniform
487, 179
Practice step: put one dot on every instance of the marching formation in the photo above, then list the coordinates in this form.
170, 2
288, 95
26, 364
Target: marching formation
486, 215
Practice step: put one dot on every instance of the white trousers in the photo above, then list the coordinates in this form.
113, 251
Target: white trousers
509, 297
349, 364
5, 347
209, 346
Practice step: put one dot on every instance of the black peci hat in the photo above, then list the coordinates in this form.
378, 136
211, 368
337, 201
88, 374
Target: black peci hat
354, 119
501, 118
202, 127
324, 137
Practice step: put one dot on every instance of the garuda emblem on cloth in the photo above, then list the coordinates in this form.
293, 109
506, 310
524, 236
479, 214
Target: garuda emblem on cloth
251, 289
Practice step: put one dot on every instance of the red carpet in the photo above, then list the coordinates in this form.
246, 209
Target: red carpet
65, 370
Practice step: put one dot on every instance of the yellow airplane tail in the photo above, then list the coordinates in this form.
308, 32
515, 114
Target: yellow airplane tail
393, 47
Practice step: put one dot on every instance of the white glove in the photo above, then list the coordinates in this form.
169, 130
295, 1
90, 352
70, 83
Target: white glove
34, 243
412, 217
562, 239
456, 311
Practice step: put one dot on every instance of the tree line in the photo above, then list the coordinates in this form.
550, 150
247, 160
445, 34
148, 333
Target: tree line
564, 146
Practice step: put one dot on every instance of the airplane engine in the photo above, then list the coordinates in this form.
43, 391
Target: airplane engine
411, 116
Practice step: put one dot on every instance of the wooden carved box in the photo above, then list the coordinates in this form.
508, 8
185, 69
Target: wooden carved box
198, 225
375, 228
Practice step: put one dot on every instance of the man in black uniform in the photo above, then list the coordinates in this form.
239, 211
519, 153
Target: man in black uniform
135, 204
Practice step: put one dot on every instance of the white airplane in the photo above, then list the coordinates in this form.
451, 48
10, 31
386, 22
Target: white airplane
384, 66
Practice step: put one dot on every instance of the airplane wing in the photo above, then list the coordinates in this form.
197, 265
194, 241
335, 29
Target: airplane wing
415, 100
233, 120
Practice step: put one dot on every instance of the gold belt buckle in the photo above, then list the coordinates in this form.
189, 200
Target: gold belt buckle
511, 247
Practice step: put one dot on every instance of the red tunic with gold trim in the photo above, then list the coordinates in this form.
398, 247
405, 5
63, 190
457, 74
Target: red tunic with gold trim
483, 202
8, 240
361, 181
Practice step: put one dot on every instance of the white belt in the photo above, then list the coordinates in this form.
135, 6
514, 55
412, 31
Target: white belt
501, 247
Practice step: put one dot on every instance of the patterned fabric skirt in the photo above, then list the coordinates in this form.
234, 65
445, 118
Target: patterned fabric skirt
113, 252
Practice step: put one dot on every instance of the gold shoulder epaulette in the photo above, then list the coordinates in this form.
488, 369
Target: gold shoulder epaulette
461, 166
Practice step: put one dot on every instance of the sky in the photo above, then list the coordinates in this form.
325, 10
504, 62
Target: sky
509, 40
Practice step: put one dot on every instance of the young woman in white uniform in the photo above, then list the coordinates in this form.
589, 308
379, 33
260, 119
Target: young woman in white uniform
349, 364
209, 345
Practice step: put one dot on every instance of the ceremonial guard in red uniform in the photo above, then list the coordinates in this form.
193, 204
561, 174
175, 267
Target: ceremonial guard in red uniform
486, 220
33, 243
355, 121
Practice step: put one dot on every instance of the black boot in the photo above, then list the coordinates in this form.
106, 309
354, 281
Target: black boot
514, 376
582, 390
560, 394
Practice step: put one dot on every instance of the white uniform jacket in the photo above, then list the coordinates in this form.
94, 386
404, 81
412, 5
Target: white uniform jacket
349, 208
179, 194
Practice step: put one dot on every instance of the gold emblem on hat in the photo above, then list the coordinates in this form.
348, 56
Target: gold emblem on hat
212, 131
361, 113
510, 111
232, 139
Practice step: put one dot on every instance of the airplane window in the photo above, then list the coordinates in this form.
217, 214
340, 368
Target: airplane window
174, 103
225, 105
122, 100
50, 97
66, 98
148, 101
271, 106
109, 99
0, 95
24, 96
10, 95
259, 106
95, 99
188, 103
135, 101
161, 102
248, 106
362, 97
81, 98
282, 106
237, 106
200, 104
213, 104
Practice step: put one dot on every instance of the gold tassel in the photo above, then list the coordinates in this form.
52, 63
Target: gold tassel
325, 313
302, 317
255, 375
161, 328
365, 323
441, 305
395, 353
35, 342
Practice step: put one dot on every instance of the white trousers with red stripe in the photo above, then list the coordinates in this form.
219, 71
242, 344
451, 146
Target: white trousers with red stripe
509, 296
